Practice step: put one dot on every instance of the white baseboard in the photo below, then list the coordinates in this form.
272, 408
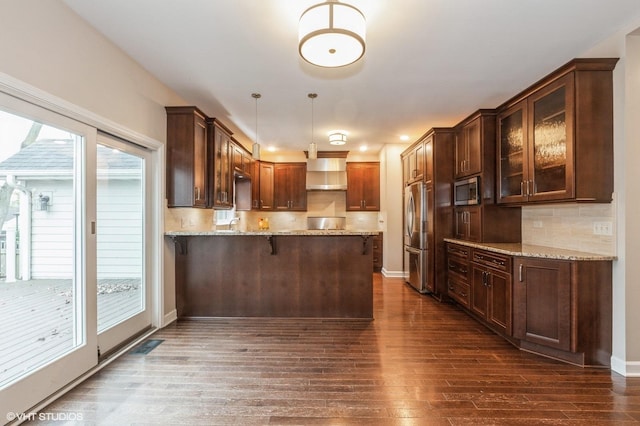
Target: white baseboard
392, 274
627, 369
169, 318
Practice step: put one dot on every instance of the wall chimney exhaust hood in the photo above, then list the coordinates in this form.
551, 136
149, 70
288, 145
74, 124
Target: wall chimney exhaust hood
327, 174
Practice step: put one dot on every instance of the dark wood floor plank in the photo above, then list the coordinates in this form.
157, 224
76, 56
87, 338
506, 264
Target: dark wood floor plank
419, 362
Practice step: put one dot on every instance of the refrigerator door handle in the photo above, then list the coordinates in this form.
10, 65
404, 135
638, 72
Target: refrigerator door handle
410, 215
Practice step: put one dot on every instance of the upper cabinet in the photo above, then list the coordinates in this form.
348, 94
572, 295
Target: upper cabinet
413, 163
555, 140
468, 151
222, 189
289, 186
187, 173
363, 186
242, 160
262, 185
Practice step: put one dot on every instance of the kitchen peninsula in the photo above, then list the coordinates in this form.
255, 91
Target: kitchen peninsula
306, 273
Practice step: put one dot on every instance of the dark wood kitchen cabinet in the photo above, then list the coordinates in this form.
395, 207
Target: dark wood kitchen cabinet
289, 186
363, 186
458, 267
475, 157
262, 185
377, 252
242, 160
555, 139
413, 163
468, 223
563, 309
491, 298
187, 172
222, 187
475, 146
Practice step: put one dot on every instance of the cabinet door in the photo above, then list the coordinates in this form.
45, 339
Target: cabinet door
297, 186
289, 187
363, 186
222, 184
200, 162
479, 290
542, 302
469, 149
187, 172
551, 174
499, 301
266, 172
468, 223
512, 154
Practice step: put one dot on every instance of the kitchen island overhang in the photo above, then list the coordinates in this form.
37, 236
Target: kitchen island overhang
287, 274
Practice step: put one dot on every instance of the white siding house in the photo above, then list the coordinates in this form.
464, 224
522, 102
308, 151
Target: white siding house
46, 169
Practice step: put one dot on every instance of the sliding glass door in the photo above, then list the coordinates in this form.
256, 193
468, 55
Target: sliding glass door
74, 249
47, 292
123, 201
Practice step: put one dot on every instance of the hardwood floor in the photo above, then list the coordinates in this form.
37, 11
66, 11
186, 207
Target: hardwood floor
419, 362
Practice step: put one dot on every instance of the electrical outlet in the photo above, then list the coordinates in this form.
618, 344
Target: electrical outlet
602, 228
537, 224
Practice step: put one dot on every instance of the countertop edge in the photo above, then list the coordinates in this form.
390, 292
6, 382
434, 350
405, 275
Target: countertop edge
226, 233
530, 250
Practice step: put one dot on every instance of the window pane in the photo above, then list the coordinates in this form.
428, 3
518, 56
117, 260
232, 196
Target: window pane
39, 293
120, 232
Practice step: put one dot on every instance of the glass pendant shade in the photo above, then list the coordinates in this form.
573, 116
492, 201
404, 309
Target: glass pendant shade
313, 151
331, 35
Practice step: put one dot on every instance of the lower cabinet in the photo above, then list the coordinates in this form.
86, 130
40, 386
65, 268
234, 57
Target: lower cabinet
543, 299
377, 252
458, 274
556, 308
491, 289
563, 309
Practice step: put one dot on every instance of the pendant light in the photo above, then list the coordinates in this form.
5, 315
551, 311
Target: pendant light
255, 149
313, 148
331, 34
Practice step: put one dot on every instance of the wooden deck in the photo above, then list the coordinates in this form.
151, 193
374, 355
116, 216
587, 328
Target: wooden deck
36, 320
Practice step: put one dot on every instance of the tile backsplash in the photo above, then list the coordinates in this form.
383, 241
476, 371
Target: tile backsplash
571, 226
319, 203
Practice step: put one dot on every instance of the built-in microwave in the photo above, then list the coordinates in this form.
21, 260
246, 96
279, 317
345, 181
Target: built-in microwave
466, 192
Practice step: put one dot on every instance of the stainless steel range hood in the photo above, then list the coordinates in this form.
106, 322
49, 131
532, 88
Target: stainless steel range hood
327, 174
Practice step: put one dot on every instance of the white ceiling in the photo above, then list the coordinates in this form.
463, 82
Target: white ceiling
428, 63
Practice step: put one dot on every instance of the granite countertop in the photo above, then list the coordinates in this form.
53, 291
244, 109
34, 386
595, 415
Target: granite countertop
529, 250
309, 232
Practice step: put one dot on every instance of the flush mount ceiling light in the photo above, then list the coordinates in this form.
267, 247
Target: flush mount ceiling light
313, 148
255, 149
338, 137
331, 34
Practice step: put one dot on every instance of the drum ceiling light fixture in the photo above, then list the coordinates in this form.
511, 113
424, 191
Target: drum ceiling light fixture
331, 34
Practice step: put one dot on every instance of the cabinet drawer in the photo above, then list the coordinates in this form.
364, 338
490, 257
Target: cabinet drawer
459, 291
494, 260
458, 251
458, 267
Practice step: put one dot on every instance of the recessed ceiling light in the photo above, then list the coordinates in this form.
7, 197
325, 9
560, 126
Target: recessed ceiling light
404, 137
363, 148
272, 148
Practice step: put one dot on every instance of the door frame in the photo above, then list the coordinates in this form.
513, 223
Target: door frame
27, 93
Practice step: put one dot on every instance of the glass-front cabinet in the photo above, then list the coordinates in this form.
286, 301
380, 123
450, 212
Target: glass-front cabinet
536, 146
512, 128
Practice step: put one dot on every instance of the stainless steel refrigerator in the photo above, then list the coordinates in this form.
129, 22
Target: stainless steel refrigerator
415, 236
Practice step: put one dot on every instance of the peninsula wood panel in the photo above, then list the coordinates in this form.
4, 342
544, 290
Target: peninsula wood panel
307, 276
